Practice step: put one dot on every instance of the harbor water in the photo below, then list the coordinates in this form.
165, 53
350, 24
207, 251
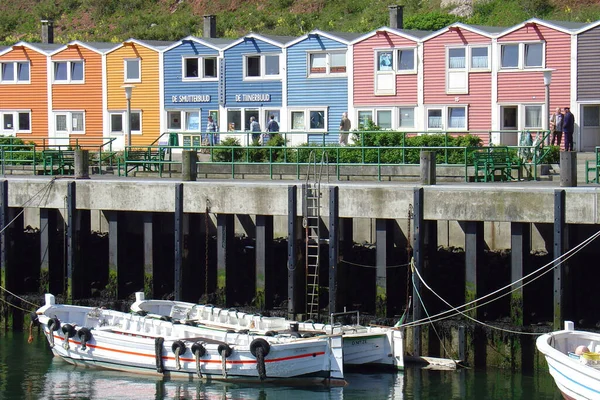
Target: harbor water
29, 371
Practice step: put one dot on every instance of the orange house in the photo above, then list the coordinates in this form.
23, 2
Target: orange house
24, 91
77, 75
136, 63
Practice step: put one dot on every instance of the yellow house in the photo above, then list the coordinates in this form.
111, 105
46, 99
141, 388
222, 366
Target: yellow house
138, 65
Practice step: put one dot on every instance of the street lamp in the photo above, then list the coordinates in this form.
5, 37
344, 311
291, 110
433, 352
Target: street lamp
128, 89
547, 80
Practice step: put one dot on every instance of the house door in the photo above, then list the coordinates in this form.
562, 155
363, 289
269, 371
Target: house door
590, 127
509, 117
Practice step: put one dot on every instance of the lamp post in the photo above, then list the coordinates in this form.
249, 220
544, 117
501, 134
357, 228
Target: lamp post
547, 80
128, 90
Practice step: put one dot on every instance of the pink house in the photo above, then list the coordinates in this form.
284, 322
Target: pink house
385, 86
524, 52
457, 80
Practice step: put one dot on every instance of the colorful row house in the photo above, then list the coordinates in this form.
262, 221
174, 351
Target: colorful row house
488, 81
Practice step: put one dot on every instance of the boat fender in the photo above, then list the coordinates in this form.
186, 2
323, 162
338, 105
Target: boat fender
259, 349
68, 332
84, 335
166, 318
224, 349
230, 330
308, 335
199, 351
141, 313
178, 348
295, 334
262, 343
244, 331
270, 333
53, 324
158, 348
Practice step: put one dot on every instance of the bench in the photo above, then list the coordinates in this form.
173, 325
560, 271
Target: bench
149, 160
61, 162
489, 160
593, 166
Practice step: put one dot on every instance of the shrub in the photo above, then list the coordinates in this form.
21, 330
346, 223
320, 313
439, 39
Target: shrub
230, 153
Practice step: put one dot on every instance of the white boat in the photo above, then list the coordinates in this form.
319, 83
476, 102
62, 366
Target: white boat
373, 345
574, 361
119, 341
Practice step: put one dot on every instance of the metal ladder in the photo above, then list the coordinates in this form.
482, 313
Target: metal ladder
311, 222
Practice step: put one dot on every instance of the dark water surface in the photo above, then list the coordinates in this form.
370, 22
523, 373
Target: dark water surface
30, 372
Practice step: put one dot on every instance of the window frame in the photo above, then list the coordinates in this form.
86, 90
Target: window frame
395, 116
262, 68
124, 122
470, 55
445, 116
69, 122
464, 70
521, 56
328, 63
126, 69
306, 112
201, 68
15, 121
69, 79
397, 61
16, 68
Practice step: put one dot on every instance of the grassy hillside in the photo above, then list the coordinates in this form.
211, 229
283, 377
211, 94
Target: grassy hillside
117, 20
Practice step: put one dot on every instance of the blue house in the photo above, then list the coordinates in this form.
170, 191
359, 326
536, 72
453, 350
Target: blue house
193, 82
318, 69
254, 72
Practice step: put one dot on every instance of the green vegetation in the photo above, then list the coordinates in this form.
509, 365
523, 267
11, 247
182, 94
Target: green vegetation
115, 20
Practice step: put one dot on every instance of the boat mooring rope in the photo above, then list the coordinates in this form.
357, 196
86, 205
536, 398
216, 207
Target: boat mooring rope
224, 364
158, 345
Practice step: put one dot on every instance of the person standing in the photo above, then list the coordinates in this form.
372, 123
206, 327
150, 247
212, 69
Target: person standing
556, 123
568, 128
211, 129
272, 126
255, 129
345, 126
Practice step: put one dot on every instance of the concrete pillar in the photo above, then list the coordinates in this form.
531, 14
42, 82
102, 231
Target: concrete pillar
474, 243
148, 229
559, 246
334, 251
82, 164
383, 243
71, 240
418, 252
264, 261
427, 164
116, 254
520, 234
49, 250
295, 269
189, 170
226, 277
5, 247
568, 169
178, 236
83, 242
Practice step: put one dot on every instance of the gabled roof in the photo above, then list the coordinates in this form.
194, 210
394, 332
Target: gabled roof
587, 27
98, 47
279, 41
562, 26
157, 45
341, 37
487, 31
413, 35
213, 43
44, 48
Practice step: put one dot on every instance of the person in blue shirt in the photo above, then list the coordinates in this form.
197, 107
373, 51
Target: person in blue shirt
568, 128
211, 126
255, 129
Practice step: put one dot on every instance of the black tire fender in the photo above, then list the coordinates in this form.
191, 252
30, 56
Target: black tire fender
53, 324
270, 333
178, 344
256, 343
225, 348
68, 330
84, 334
198, 347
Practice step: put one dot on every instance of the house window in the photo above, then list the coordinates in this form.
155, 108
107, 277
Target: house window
327, 63
384, 119
457, 118
68, 71
385, 60
174, 120
234, 120
261, 66
200, 67
192, 121
364, 118
434, 119
522, 55
479, 58
133, 72
457, 77
309, 119
509, 117
118, 122
406, 117
70, 122
456, 58
14, 72
533, 117
297, 120
317, 119
16, 121
406, 60
533, 55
